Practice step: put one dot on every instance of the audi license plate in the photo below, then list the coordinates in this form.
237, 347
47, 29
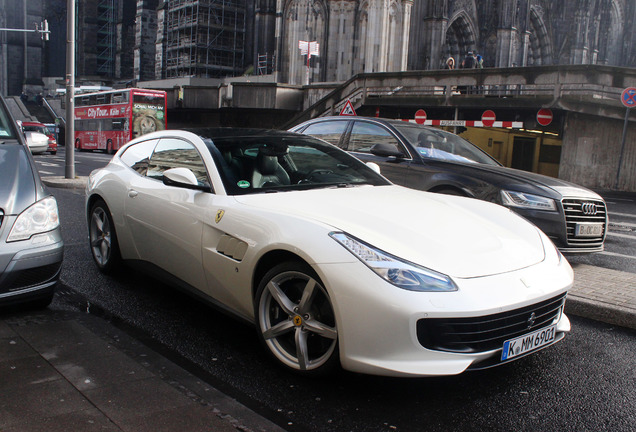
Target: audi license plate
529, 342
588, 230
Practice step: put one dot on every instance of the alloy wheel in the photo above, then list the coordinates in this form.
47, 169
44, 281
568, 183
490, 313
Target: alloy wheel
297, 321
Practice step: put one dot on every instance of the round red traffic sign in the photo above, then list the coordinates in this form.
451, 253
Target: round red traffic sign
420, 116
544, 116
488, 118
628, 97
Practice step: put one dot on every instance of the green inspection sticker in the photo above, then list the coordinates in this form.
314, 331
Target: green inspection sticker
244, 184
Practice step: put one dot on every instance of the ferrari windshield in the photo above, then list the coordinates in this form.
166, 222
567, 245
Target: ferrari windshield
278, 162
439, 144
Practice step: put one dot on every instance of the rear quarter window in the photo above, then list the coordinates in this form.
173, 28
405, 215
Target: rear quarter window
138, 155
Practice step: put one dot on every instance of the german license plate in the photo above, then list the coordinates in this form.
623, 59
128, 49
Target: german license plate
588, 230
529, 342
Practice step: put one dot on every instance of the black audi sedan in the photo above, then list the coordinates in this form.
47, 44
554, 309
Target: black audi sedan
434, 160
31, 246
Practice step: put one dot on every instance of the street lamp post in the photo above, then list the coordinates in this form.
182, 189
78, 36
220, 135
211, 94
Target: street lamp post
69, 171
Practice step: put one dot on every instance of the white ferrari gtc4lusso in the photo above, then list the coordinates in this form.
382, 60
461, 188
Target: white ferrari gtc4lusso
330, 261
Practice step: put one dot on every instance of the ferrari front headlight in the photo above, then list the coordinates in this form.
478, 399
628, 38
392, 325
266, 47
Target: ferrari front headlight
396, 271
527, 201
41, 217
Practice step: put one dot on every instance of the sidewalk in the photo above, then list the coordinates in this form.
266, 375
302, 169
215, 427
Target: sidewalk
604, 295
69, 371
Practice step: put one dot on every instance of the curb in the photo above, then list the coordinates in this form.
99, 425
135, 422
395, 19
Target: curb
79, 182
599, 311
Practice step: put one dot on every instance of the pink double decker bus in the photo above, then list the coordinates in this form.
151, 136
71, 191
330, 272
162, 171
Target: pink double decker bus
109, 119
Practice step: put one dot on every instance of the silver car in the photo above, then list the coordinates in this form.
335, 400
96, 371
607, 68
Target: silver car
31, 246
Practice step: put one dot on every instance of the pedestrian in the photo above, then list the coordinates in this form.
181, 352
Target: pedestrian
480, 61
469, 61
450, 63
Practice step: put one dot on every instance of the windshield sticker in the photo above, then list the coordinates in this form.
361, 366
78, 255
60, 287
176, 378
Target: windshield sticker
243, 184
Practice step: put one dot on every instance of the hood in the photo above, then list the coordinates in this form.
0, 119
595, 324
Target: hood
519, 180
17, 182
461, 237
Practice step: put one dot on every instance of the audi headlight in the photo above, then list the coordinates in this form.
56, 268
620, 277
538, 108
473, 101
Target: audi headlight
527, 201
398, 272
41, 217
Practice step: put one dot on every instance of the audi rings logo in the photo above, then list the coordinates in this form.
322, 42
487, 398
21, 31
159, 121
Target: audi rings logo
531, 320
589, 208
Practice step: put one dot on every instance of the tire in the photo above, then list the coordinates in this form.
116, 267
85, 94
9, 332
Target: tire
103, 239
296, 321
53, 153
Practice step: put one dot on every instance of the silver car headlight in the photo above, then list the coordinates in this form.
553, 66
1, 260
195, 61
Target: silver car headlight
398, 272
527, 201
39, 218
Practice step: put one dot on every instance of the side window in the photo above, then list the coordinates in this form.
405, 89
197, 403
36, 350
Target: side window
137, 156
328, 131
176, 153
366, 135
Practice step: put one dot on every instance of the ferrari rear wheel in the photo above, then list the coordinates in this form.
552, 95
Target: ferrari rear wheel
296, 321
103, 240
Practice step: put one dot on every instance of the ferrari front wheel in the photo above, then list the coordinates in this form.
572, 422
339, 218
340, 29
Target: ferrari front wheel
296, 321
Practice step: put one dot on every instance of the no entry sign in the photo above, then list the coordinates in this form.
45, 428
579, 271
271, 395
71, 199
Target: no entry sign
420, 116
488, 118
628, 97
544, 116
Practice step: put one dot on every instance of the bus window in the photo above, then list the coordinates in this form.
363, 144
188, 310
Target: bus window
120, 98
118, 124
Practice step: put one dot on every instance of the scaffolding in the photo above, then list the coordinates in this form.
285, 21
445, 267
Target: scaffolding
106, 39
205, 38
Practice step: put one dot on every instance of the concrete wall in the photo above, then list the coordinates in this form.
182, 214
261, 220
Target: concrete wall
591, 151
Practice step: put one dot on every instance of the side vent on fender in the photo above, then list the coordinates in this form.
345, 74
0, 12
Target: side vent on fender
232, 247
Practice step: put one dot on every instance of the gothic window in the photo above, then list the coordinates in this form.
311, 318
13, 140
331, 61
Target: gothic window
360, 43
304, 21
539, 44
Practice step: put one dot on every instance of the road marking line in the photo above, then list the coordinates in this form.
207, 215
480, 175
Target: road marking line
622, 224
627, 236
617, 255
622, 214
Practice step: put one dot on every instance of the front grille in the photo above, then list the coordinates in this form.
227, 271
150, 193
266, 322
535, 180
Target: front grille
486, 333
575, 212
32, 277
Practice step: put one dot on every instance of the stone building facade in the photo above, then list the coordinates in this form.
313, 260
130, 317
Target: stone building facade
393, 35
21, 53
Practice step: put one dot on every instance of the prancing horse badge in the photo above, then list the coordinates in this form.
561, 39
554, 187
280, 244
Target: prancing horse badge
219, 216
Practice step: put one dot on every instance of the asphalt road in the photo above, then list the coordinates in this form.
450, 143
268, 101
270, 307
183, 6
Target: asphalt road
587, 382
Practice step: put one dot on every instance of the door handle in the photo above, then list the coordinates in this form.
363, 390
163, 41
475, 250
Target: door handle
132, 193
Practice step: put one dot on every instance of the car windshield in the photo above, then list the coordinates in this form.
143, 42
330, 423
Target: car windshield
35, 128
271, 163
439, 144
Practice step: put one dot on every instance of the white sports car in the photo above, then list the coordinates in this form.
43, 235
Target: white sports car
330, 261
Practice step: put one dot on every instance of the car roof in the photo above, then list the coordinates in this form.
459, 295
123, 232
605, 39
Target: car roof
392, 122
227, 132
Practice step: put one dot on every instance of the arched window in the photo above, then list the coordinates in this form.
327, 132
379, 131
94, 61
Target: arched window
304, 20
